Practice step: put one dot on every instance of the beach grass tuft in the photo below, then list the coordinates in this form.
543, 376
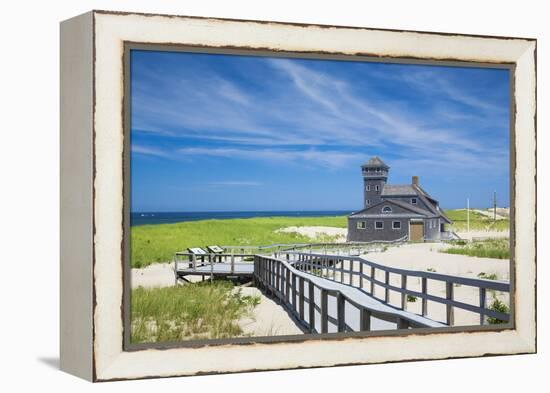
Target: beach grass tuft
493, 248
205, 310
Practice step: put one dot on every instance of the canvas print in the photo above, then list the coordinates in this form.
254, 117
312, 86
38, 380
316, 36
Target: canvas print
283, 196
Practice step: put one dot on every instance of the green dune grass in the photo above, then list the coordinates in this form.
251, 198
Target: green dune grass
158, 243
477, 221
206, 310
495, 248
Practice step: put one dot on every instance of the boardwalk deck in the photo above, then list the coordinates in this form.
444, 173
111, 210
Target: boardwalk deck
352, 313
218, 269
334, 286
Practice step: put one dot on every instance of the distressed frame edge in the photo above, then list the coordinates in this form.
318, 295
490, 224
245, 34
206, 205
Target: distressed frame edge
528, 340
129, 46
76, 207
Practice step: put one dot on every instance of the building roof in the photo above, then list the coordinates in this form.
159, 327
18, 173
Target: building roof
398, 189
413, 211
375, 162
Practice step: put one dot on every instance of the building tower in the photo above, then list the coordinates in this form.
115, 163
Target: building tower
375, 176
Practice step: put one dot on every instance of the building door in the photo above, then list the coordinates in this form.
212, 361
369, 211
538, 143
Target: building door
416, 231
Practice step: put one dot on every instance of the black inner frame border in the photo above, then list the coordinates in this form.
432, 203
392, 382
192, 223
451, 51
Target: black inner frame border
267, 52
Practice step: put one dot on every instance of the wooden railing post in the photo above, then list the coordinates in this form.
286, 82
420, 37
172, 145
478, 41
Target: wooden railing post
232, 264
402, 323
341, 310
311, 306
372, 278
287, 285
301, 297
365, 320
424, 296
341, 269
450, 308
360, 274
404, 293
324, 311
482, 304
351, 263
387, 292
294, 292
277, 277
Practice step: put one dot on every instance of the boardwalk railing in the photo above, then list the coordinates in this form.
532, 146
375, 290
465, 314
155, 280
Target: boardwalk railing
349, 247
193, 261
308, 299
327, 266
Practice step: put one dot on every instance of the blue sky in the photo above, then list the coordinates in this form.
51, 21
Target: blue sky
233, 133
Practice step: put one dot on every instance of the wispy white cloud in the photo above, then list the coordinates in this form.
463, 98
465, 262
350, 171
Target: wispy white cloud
327, 159
303, 114
150, 151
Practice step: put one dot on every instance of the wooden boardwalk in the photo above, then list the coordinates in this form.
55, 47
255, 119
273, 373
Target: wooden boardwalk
242, 269
335, 293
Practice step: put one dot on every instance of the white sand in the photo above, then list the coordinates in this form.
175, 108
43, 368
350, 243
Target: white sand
424, 256
268, 318
315, 232
156, 275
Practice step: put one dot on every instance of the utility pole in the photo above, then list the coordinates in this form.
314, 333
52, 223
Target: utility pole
495, 206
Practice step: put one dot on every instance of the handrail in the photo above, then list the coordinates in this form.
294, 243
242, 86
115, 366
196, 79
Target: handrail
314, 262
287, 283
207, 259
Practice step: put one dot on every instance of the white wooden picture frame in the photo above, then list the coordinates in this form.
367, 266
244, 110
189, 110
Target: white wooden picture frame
93, 192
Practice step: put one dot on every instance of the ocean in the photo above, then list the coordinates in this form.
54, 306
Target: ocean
152, 218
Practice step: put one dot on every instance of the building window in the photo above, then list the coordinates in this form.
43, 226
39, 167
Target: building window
361, 225
368, 188
396, 225
414, 201
377, 188
386, 209
379, 225
368, 201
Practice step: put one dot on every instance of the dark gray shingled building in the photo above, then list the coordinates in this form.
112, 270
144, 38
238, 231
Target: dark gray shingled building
395, 212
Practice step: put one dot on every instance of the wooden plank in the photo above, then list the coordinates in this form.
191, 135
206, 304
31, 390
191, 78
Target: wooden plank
324, 311
287, 285
424, 298
301, 283
482, 305
365, 319
361, 275
402, 323
294, 292
311, 306
341, 311
450, 309
386, 289
372, 278
403, 294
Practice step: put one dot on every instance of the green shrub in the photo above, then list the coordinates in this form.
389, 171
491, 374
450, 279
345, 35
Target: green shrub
486, 276
498, 306
411, 298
